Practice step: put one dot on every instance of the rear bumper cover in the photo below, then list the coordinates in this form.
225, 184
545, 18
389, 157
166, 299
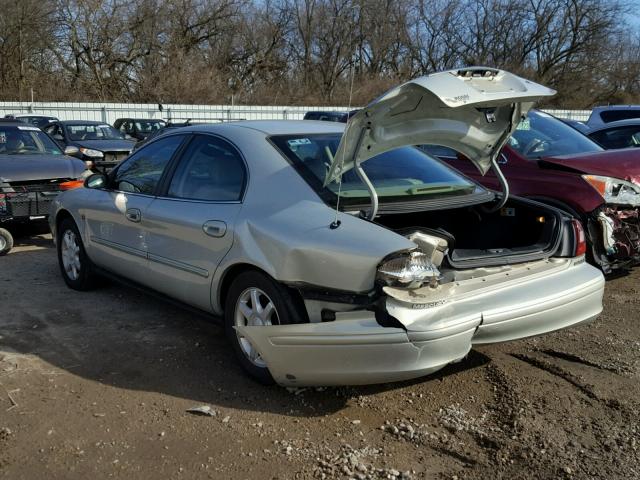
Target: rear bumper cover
355, 349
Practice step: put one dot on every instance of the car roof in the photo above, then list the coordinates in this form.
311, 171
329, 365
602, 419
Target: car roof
616, 107
7, 122
23, 115
81, 122
135, 119
273, 127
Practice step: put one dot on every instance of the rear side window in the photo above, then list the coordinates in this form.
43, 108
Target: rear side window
618, 137
615, 115
141, 172
211, 169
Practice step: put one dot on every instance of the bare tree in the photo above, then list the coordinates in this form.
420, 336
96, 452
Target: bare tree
301, 51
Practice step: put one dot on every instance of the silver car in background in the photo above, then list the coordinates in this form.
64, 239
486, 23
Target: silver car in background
341, 256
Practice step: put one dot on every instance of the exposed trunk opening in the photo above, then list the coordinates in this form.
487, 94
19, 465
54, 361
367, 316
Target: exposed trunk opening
519, 232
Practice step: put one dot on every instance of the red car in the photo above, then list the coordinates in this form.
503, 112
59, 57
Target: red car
547, 160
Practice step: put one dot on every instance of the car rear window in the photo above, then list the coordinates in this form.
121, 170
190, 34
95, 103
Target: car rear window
402, 174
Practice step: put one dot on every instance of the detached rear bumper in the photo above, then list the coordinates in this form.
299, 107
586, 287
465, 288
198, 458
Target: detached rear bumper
355, 349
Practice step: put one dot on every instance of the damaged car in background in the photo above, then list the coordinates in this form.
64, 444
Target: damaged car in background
33, 170
547, 161
341, 254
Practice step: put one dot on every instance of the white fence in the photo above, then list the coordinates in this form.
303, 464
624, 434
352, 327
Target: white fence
581, 115
109, 112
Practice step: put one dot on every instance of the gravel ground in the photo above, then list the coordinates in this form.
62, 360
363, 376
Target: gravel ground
97, 385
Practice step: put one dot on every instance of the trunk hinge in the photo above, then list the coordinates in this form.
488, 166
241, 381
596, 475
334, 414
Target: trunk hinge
516, 117
363, 176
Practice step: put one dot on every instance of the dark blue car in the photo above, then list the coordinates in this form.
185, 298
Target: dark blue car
100, 145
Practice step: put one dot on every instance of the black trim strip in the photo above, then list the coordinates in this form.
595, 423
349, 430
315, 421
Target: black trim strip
150, 256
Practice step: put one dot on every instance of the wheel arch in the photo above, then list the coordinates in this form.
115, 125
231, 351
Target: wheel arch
233, 271
62, 215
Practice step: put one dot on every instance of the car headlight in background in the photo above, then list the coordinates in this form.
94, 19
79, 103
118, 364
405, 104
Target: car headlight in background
614, 190
90, 152
408, 270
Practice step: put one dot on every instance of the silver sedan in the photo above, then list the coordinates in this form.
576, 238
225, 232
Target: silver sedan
341, 257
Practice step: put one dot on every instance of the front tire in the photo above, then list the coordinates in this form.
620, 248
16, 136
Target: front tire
75, 266
6, 241
256, 299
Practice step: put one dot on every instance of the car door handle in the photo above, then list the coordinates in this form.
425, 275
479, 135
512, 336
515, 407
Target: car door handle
133, 214
215, 228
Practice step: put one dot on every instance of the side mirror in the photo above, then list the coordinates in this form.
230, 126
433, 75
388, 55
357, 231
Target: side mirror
70, 150
128, 137
58, 137
97, 180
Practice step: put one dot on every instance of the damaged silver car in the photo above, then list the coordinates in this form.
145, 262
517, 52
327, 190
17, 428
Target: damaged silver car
341, 256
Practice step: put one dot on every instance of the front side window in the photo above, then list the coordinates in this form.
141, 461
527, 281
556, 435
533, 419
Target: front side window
541, 135
406, 173
27, 140
141, 172
618, 137
210, 170
93, 132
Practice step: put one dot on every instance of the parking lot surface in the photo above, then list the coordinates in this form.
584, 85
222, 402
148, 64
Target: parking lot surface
98, 384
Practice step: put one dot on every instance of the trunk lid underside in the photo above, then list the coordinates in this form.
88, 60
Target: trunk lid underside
472, 110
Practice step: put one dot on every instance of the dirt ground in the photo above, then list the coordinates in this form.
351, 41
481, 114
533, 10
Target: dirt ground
97, 385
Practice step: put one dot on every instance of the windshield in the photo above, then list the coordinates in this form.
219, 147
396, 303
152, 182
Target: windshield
93, 132
541, 135
402, 174
149, 126
26, 140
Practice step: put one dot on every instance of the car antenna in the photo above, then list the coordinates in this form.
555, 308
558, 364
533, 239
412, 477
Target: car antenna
336, 223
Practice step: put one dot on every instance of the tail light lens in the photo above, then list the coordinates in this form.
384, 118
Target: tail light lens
581, 239
71, 185
408, 270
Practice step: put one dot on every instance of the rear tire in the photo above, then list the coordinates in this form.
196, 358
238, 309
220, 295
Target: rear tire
75, 265
254, 298
6, 241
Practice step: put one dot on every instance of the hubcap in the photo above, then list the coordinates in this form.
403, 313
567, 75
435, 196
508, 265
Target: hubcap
254, 308
70, 253
3, 243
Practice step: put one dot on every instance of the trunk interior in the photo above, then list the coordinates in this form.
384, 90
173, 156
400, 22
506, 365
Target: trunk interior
517, 233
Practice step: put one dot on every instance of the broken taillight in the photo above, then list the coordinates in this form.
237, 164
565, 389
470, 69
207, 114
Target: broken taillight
581, 239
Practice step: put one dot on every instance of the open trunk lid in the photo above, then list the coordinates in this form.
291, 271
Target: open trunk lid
472, 110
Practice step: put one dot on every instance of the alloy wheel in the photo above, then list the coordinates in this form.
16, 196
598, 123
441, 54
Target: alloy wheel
254, 308
70, 253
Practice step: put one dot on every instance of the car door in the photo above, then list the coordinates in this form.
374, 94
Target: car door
116, 216
191, 223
